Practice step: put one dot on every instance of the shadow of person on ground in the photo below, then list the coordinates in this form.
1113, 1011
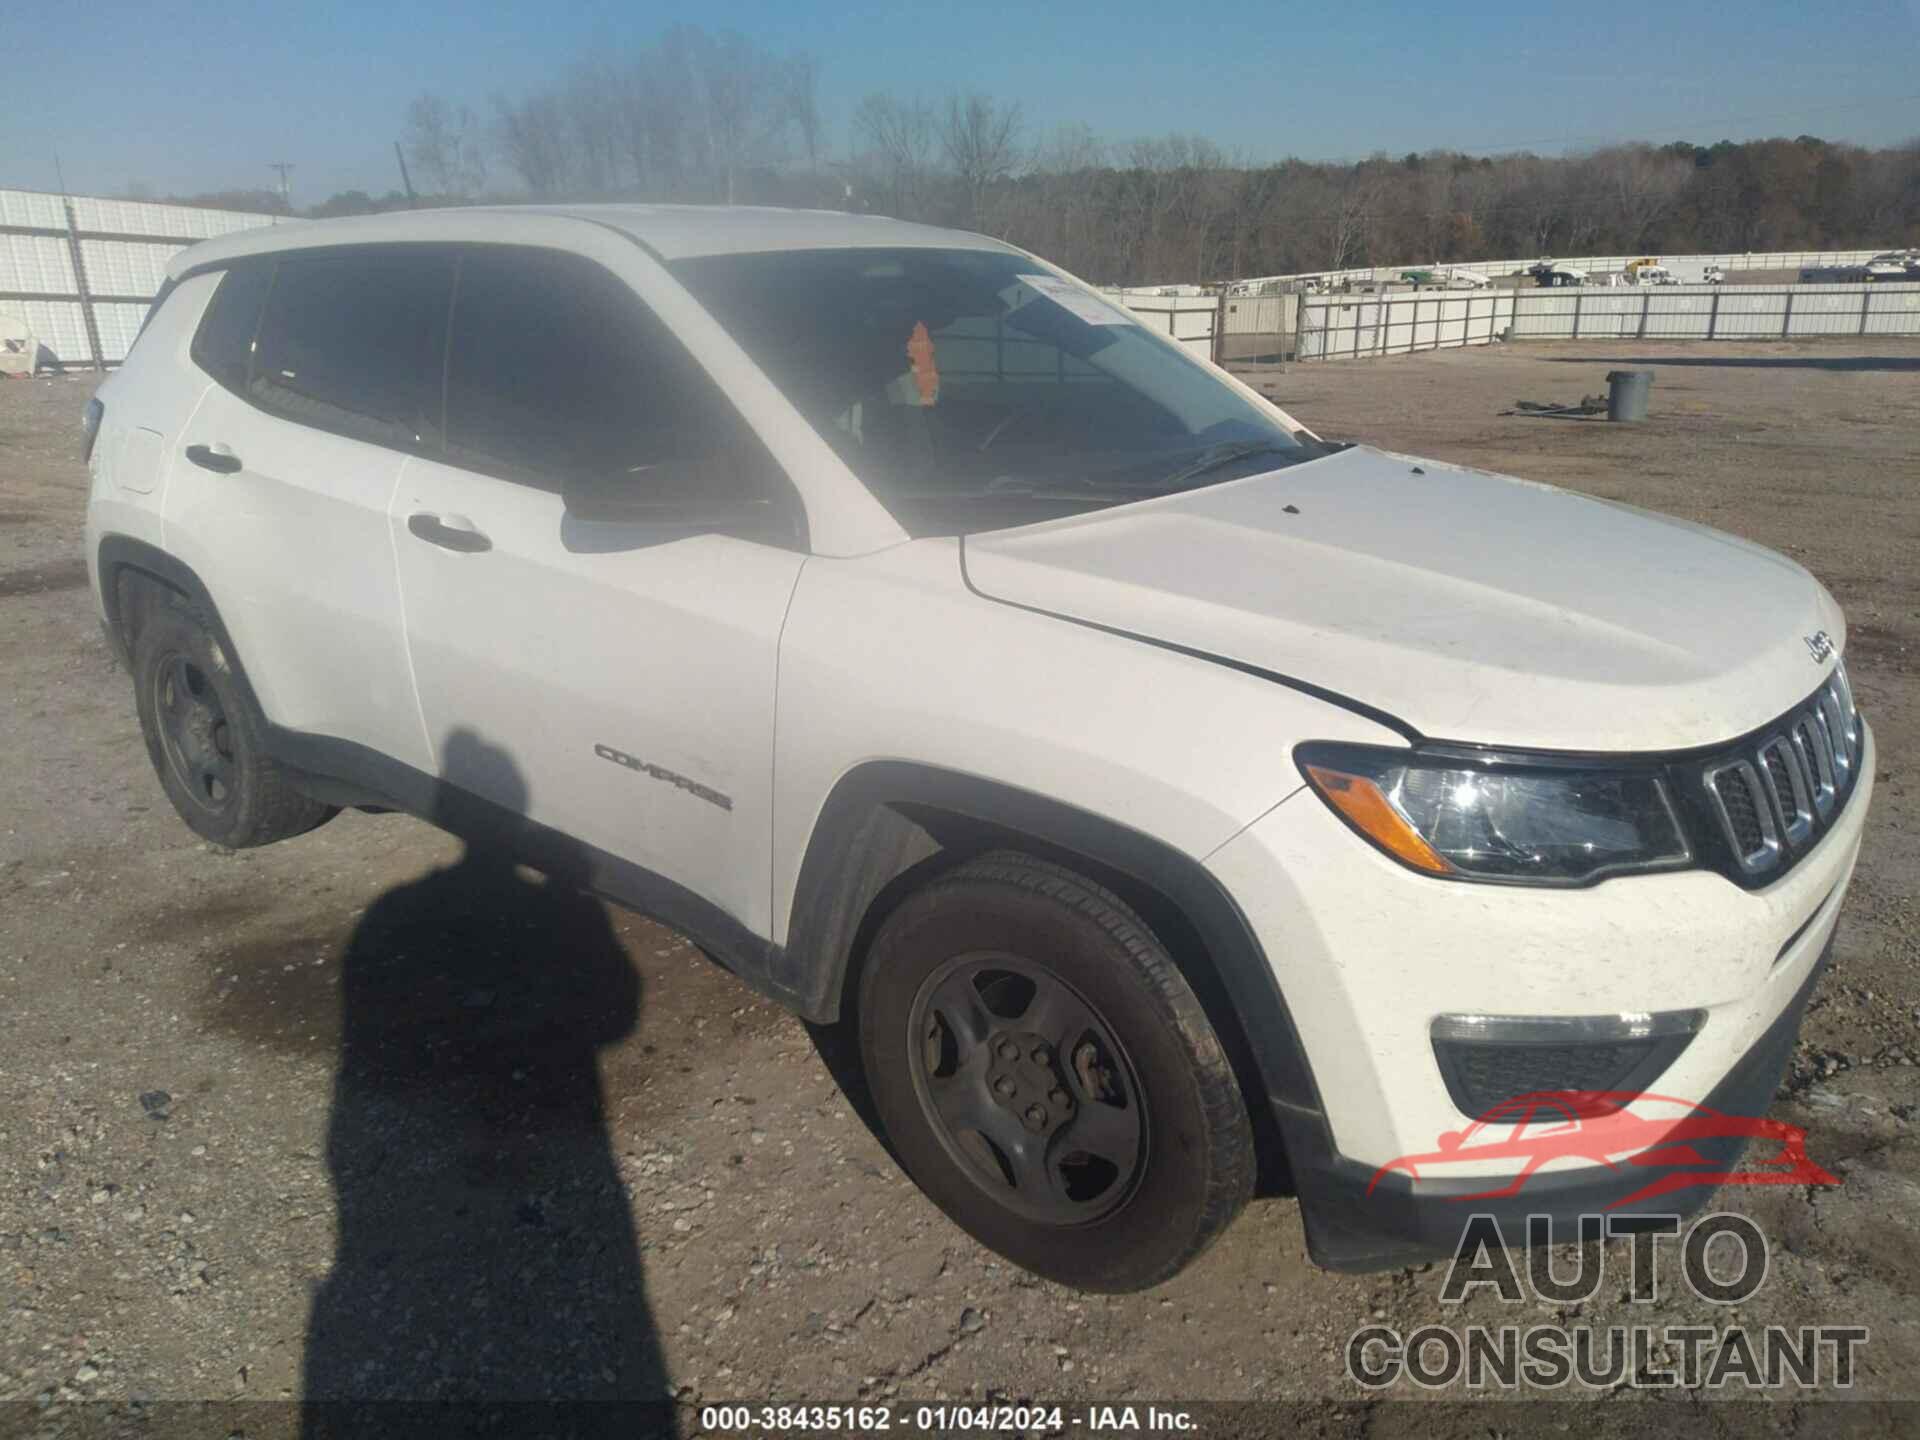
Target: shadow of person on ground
486, 1247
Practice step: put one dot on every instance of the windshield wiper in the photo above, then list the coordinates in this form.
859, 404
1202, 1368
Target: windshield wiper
1225, 453
1070, 489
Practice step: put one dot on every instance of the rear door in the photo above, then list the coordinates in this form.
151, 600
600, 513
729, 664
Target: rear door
611, 679
327, 370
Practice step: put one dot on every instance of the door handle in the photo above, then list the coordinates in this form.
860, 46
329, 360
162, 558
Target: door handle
217, 458
435, 531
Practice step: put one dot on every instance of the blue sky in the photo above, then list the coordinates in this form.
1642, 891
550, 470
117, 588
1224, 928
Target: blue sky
199, 97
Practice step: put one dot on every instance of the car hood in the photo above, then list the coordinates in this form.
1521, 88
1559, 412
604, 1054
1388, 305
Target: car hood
1472, 606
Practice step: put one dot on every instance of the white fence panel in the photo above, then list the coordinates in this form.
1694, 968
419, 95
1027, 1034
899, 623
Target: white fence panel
1751, 315
1756, 260
1187, 318
1821, 310
1895, 311
1343, 326
119, 325
31, 207
1677, 314
140, 217
1338, 326
56, 324
36, 262
123, 247
116, 267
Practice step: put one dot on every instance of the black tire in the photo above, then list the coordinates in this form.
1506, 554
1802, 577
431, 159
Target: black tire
1126, 1042
205, 737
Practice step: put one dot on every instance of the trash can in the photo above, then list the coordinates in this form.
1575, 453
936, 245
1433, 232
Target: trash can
1627, 394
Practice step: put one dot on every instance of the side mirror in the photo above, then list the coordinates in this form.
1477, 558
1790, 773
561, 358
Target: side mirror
677, 493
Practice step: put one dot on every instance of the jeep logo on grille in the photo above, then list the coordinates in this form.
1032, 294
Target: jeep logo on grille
1820, 644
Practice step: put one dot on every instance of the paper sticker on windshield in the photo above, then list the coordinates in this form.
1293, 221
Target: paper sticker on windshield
1068, 297
926, 375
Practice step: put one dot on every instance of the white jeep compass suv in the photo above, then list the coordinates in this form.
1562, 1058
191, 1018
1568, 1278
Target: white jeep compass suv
1167, 797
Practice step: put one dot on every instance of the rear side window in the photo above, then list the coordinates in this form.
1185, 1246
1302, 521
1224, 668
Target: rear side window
223, 346
556, 371
353, 343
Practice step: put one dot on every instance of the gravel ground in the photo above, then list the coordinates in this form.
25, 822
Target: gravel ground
316, 1120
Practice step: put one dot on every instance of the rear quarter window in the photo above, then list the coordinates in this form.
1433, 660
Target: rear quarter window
223, 346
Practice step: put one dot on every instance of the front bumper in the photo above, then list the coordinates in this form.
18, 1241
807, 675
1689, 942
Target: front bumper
1367, 953
1354, 1224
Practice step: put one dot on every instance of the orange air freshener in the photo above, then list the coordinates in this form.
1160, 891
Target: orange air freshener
926, 377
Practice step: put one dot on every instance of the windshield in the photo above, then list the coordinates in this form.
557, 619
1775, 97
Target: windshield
972, 389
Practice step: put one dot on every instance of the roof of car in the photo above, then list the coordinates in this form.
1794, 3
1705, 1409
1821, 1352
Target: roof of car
673, 232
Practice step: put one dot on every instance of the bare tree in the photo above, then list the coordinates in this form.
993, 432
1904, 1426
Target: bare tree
981, 139
743, 104
1347, 223
899, 138
1642, 184
533, 141
803, 105
594, 121
656, 105
699, 115
442, 143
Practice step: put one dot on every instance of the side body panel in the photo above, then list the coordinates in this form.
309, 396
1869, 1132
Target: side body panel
294, 549
890, 658
148, 402
619, 679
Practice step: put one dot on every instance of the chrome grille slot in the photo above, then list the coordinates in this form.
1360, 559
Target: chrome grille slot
1810, 739
1827, 712
1746, 814
1777, 792
1842, 689
1791, 795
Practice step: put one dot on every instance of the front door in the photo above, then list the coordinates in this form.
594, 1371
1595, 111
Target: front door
611, 679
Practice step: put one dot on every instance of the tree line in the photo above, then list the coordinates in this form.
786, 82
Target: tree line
718, 118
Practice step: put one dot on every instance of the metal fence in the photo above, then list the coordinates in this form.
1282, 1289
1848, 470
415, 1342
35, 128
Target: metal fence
1341, 327
1593, 264
80, 271
1193, 320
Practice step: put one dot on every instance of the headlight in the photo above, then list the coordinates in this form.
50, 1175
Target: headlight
1471, 819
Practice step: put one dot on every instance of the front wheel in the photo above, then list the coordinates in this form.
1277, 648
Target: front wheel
1049, 1078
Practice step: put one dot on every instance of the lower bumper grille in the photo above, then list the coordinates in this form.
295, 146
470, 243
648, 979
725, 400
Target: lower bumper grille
1494, 1065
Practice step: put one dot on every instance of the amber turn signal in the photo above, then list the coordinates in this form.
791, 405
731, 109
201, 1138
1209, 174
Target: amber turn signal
1359, 800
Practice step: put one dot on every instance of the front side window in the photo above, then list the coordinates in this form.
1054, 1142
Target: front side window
971, 389
558, 375
353, 343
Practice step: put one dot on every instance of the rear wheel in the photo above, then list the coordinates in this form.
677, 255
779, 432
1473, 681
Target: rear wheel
205, 738
1049, 1078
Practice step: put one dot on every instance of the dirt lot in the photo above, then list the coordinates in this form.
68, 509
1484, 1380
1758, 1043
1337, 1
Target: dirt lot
648, 1179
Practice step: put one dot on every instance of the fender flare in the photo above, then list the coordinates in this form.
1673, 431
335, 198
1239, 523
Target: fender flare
862, 840
119, 554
